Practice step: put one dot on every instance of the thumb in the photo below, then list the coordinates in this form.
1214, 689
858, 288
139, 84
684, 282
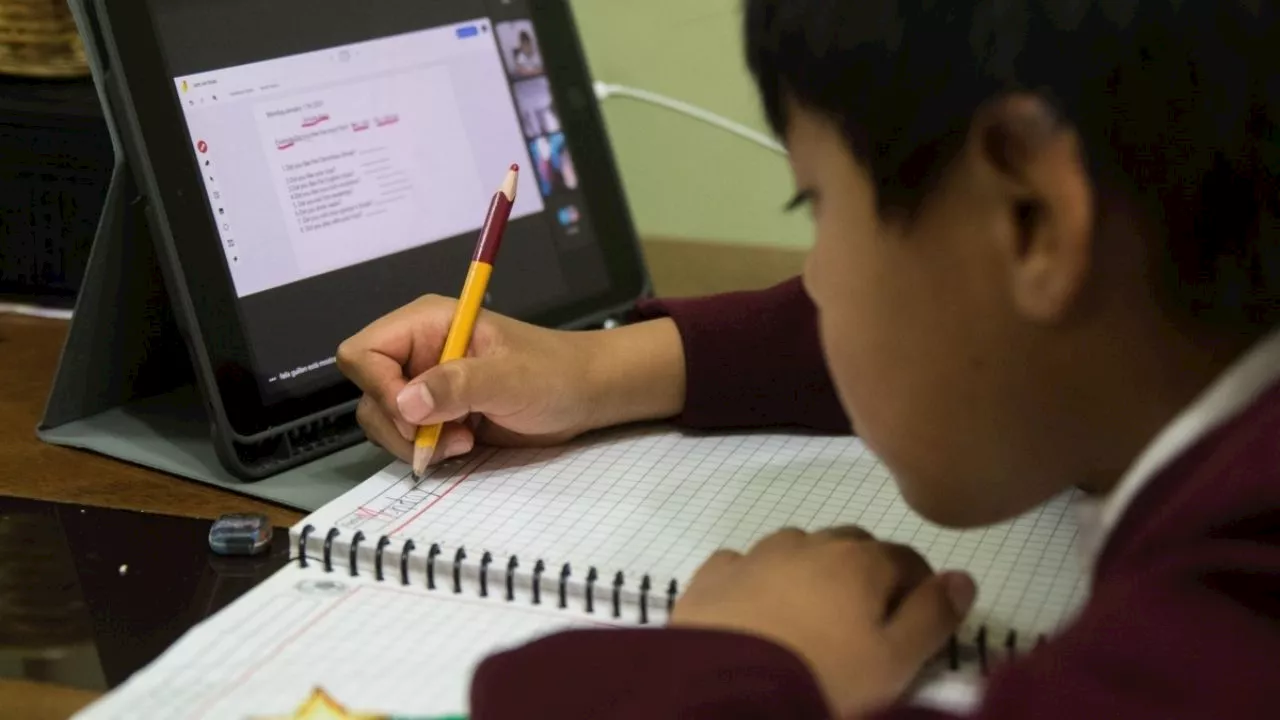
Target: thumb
930, 613
454, 389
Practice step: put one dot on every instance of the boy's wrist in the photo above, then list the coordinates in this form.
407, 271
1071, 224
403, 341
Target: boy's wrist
634, 373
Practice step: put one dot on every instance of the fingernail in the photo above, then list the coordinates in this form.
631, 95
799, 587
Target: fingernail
457, 446
415, 402
961, 591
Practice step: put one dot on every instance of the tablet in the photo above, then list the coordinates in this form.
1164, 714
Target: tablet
310, 165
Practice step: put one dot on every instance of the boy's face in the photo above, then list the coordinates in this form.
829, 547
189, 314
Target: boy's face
932, 342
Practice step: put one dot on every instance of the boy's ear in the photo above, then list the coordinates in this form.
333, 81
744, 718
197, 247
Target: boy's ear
1045, 198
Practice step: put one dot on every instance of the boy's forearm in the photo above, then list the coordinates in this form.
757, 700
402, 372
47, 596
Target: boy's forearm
636, 373
736, 360
752, 359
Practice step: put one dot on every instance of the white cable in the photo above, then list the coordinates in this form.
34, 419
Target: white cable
604, 91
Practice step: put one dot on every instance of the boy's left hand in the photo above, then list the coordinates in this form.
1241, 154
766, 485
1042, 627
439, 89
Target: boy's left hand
865, 615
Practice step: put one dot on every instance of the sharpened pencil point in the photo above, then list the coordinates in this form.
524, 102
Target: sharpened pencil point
421, 458
508, 187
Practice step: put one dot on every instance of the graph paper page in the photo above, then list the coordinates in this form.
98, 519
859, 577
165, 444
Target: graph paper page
371, 647
658, 501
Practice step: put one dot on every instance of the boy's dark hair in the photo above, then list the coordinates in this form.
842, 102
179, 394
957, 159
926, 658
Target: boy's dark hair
1177, 104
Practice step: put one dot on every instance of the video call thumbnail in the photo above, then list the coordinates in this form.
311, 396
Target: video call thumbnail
553, 163
537, 111
519, 47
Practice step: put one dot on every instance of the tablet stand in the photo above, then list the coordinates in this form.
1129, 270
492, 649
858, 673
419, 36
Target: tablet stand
125, 388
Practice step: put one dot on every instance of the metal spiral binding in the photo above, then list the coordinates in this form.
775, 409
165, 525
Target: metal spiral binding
352, 553
328, 548
404, 561
512, 564
982, 648
431, 565
539, 568
383, 542
485, 561
617, 594
458, 557
593, 578
988, 652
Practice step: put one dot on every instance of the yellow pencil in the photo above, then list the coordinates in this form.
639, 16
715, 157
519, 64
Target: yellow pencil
470, 301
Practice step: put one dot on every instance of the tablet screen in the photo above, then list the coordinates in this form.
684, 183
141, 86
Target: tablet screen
346, 178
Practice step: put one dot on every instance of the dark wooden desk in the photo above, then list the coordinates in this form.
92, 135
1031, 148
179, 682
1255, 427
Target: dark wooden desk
42, 701
29, 468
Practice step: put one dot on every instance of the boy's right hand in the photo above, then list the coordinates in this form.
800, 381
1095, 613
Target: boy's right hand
519, 385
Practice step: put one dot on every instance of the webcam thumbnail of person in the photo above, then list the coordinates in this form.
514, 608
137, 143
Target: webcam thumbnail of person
537, 110
519, 48
553, 164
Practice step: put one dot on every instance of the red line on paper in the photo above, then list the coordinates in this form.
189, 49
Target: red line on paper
431, 504
267, 657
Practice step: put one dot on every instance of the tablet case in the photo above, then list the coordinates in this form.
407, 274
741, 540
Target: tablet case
124, 386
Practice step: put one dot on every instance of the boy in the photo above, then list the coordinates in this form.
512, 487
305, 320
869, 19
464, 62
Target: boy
1047, 256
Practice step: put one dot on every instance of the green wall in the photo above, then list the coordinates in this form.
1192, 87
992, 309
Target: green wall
685, 178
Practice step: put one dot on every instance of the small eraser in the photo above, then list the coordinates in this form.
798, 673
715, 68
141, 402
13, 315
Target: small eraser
240, 534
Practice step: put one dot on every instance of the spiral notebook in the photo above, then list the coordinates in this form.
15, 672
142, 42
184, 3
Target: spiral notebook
401, 586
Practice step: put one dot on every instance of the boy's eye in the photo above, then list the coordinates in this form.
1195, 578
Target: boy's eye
801, 199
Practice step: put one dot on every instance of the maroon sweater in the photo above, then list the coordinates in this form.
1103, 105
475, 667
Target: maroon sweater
1183, 619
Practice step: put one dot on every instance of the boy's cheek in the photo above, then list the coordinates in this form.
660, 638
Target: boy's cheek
808, 276
833, 320
840, 331
817, 275
833, 286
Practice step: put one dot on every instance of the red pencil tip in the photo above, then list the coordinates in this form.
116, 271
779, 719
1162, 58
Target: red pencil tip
515, 167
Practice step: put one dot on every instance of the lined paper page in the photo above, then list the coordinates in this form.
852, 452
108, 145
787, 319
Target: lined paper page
373, 647
658, 501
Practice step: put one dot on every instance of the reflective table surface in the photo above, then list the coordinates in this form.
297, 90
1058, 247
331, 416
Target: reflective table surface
89, 595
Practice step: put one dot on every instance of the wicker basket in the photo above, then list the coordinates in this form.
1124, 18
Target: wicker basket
38, 38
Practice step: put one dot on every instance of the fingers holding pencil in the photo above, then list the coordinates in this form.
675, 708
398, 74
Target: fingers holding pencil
470, 302
397, 436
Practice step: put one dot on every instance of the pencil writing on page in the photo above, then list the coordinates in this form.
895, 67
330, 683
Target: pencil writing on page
469, 304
